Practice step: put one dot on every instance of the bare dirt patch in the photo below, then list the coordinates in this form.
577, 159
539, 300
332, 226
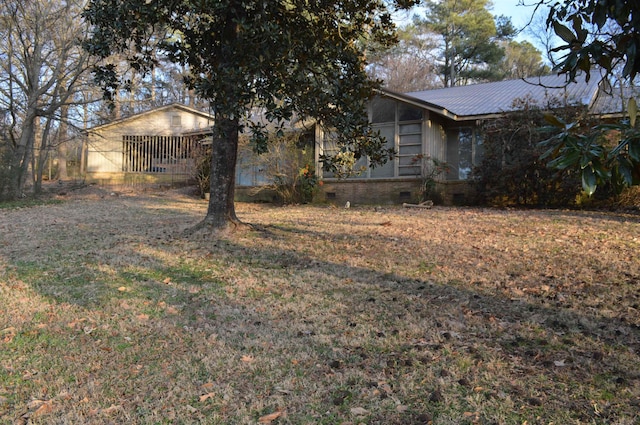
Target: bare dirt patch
108, 314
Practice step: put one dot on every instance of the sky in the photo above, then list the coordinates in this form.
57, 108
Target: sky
519, 11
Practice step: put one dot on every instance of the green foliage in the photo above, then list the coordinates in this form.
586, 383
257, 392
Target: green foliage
605, 155
286, 56
521, 60
469, 35
512, 171
604, 33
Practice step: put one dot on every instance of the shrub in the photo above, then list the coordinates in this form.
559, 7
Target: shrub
511, 172
431, 170
286, 167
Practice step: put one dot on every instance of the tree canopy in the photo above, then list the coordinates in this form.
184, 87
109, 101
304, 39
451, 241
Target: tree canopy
294, 58
469, 34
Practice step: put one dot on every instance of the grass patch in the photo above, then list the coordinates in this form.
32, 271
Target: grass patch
322, 315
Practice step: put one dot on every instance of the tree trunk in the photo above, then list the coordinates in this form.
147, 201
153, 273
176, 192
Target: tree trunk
62, 150
21, 158
221, 214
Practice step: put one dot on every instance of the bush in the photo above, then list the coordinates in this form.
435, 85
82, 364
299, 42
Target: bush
511, 172
286, 167
201, 171
432, 170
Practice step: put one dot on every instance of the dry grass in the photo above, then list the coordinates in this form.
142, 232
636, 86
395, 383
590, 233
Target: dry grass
319, 315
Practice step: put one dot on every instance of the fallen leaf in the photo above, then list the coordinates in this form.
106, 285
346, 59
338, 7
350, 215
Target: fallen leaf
123, 289
111, 409
206, 397
46, 407
385, 387
208, 386
247, 359
359, 411
143, 316
167, 281
34, 404
559, 363
402, 408
267, 419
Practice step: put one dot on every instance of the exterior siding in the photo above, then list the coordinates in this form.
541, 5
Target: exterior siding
105, 143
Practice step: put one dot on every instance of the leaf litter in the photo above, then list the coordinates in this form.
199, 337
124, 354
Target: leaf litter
108, 314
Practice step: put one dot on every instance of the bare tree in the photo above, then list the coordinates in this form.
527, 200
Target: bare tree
410, 65
43, 68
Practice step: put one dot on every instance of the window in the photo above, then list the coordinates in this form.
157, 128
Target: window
176, 121
464, 151
401, 126
410, 145
383, 110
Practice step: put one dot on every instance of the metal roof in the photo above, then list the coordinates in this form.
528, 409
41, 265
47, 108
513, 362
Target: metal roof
479, 100
614, 100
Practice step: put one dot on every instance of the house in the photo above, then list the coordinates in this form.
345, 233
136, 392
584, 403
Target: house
444, 124
150, 147
156, 146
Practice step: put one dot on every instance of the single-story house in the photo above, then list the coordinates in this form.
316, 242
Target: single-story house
445, 124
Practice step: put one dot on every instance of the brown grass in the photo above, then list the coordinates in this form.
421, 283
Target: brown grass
108, 314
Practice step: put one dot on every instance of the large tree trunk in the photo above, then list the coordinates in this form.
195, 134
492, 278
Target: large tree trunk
221, 214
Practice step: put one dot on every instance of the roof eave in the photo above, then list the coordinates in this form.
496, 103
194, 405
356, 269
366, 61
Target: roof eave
150, 111
419, 103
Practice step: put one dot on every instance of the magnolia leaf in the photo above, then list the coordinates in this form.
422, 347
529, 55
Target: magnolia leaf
632, 108
625, 171
359, 411
206, 397
554, 121
563, 32
267, 419
634, 150
589, 183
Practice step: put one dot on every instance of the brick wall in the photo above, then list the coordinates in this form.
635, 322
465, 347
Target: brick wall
390, 192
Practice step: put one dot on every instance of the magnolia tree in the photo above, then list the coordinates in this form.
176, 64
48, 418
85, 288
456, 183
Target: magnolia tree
605, 34
288, 57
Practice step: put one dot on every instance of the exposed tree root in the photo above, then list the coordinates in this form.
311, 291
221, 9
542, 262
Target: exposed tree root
208, 230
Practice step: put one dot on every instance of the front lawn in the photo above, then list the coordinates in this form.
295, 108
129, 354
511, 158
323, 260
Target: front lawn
319, 315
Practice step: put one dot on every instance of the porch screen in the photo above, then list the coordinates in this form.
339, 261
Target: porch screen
157, 154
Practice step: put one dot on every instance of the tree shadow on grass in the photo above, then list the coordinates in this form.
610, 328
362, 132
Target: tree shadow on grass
266, 327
